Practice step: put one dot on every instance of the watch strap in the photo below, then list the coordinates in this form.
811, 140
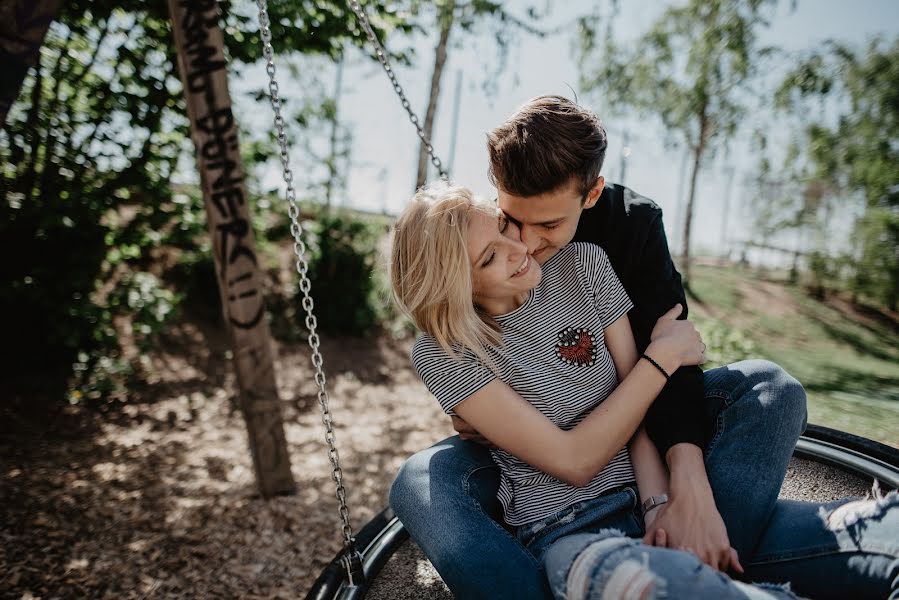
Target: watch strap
653, 502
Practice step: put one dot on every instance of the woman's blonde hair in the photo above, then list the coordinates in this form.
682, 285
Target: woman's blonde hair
430, 272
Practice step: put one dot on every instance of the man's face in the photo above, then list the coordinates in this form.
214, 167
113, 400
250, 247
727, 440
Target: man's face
548, 221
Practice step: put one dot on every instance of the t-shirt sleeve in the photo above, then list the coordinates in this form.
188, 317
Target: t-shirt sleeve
611, 299
450, 379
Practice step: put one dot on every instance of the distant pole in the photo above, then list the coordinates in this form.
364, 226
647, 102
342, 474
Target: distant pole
332, 155
625, 152
213, 129
729, 170
457, 96
382, 178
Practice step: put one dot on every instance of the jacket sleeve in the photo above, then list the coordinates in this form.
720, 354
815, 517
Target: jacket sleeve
678, 414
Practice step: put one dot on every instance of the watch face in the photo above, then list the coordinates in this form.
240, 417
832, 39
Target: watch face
654, 501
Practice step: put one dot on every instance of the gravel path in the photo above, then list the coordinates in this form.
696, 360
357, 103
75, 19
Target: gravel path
155, 498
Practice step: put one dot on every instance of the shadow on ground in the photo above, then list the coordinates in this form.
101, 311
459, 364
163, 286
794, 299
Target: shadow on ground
155, 496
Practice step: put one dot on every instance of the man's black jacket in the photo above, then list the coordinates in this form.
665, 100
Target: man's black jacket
629, 228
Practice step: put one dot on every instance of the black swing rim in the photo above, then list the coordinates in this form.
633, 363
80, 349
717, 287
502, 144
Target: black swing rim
378, 540
851, 453
381, 537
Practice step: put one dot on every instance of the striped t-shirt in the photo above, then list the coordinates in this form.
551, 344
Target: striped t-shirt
554, 355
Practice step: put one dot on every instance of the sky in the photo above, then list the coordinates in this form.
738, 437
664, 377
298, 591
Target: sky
385, 145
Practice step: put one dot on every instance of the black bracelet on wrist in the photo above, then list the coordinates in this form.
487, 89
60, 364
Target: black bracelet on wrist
657, 366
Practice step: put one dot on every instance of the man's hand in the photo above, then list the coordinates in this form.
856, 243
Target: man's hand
690, 520
467, 432
688, 523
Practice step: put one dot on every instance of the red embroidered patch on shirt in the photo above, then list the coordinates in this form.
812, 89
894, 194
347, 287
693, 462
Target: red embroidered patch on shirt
576, 347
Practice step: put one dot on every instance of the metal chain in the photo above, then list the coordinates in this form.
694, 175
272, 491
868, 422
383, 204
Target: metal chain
302, 267
382, 56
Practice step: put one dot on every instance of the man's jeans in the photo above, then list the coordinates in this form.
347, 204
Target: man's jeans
446, 498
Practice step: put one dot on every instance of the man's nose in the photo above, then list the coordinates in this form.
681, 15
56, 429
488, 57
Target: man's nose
530, 239
515, 247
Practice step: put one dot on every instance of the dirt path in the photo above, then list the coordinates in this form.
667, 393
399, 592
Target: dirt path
156, 498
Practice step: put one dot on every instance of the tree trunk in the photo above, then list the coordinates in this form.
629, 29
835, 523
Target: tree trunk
446, 25
698, 151
23, 26
201, 62
688, 218
677, 222
725, 251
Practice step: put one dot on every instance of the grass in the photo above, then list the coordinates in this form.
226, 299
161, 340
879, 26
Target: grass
846, 356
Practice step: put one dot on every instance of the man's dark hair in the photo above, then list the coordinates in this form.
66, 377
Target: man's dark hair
545, 144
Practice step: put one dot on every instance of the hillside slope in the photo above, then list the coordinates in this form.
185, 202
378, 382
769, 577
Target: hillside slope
846, 355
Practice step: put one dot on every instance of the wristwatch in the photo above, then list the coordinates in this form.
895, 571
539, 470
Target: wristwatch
653, 502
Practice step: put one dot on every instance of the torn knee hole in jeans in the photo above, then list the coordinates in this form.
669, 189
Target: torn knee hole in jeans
630, 580
610, 566
871, 507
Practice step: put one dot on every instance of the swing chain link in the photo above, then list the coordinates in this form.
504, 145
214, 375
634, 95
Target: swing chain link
382, 56
302, 268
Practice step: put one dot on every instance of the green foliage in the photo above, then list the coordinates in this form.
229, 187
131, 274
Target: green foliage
87, 157
688, 69
100, 369
343, 274
142, 296
724, 344
822, 270
851, 157
858, 151
876, 266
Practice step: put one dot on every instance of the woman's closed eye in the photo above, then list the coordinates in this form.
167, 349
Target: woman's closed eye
489, 260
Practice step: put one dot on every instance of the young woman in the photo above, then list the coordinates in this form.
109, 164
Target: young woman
541, 362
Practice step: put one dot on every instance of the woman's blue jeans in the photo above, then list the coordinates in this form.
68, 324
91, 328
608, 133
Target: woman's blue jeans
845, 550
590, 551
446, 498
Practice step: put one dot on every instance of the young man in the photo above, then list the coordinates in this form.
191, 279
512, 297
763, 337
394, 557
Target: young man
726, 435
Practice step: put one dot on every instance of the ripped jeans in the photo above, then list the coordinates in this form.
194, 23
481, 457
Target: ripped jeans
446, 497
845, 549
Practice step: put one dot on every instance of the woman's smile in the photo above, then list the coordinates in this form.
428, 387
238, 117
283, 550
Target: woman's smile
524, 266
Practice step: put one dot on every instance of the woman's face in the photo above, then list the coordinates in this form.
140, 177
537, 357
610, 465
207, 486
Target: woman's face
502, 270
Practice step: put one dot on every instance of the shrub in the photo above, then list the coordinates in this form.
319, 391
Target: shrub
343, 274
724, 344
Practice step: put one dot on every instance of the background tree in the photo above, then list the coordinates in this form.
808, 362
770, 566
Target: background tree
468, 17
847, 103
691, 69
89, 151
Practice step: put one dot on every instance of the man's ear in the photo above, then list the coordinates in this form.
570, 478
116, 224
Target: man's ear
595, 192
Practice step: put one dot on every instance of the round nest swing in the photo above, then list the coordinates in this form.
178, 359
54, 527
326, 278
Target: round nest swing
827, 465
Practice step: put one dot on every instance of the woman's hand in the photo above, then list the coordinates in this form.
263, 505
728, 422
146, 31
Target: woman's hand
676, 342
468, 433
